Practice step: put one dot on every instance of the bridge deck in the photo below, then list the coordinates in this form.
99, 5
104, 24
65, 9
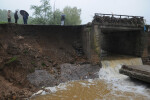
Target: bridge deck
119, 28
141, 72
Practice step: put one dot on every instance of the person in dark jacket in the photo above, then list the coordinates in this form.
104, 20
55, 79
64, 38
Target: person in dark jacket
25, 18
16, 17
145, 28
62, 19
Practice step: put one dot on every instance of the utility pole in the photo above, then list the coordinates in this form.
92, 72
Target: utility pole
54, 10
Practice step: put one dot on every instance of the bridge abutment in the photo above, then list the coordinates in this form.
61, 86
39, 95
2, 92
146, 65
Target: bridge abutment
130, 41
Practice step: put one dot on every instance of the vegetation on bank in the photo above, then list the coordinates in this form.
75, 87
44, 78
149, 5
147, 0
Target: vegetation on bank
44, 15
3, 22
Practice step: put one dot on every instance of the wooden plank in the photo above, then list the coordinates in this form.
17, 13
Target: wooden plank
138, 72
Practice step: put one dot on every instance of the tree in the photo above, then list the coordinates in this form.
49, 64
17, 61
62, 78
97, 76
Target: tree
42, 13
72, 15
3, 15
56, 17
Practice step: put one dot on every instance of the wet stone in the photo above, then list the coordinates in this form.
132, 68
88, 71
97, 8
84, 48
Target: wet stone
65, 73
41, 78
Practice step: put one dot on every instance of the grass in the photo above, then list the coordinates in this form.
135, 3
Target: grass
3, 22
25, 51
31, 70
33, 63
43, 64
11, 60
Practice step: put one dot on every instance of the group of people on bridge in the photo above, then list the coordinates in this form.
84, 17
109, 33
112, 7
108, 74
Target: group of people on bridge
25, 17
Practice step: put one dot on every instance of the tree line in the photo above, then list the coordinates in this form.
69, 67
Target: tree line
43, 15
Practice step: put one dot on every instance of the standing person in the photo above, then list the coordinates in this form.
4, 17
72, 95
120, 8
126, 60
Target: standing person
149, 29
62, 19
25, 17
9, 16
16, 17
144, 28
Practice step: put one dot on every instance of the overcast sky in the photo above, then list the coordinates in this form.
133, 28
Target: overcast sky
88, 7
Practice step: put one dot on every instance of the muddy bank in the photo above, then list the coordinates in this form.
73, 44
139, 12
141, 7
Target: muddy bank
30, 59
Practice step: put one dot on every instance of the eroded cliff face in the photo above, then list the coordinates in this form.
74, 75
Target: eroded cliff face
25, 49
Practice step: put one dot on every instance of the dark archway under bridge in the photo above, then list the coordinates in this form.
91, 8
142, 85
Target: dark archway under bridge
122, 40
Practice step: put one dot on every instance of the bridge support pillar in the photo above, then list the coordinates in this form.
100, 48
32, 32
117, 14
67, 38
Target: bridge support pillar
141, 44
145, 45
96, 39
91, 42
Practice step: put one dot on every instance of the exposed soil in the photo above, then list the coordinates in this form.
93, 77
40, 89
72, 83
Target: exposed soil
23, 57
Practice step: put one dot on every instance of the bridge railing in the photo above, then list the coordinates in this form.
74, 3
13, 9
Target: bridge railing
115, 19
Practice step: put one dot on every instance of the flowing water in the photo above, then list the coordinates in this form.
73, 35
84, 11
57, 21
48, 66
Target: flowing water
109, 86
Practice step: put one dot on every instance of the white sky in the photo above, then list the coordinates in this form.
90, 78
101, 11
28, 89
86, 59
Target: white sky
88, 7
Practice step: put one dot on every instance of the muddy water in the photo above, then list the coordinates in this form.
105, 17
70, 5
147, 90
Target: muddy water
109, 86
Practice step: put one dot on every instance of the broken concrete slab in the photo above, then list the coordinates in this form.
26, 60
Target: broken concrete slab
141, 72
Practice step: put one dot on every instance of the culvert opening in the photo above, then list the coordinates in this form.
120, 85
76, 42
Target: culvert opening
121, 43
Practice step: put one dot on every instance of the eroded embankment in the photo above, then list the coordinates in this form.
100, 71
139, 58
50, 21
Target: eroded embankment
26, 48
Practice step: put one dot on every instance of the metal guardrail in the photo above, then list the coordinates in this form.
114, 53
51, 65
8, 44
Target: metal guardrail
118, 19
